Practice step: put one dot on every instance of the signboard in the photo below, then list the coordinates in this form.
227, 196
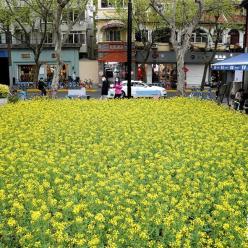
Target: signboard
238, 76
230, 67
3, 54
25, 55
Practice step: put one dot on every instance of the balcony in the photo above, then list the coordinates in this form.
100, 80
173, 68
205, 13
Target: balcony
66, 45
164, 47
112, 46
199, 46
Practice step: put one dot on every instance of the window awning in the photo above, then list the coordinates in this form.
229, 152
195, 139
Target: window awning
113, 24
237, 63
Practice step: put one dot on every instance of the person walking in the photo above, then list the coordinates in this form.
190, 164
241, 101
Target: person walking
42, 87
105, 87
118, 88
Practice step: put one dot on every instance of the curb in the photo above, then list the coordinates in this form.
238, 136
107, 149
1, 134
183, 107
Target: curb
61, 90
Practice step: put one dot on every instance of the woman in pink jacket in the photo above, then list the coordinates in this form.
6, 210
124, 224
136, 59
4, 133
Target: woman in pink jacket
118, 88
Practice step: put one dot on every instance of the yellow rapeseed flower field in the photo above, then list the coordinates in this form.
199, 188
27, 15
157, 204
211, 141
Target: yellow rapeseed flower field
124, 173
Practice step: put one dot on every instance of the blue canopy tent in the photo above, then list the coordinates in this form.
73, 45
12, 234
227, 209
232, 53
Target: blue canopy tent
237, 63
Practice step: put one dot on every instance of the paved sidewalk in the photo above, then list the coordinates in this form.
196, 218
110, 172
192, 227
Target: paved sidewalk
60, 90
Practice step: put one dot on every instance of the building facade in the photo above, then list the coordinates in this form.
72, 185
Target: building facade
160, 64
76, 46
111, 38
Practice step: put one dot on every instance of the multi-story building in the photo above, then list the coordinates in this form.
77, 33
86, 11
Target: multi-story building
160, 64
76, 46
111, 39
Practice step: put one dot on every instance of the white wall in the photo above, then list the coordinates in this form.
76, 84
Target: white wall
88, 69
194, 75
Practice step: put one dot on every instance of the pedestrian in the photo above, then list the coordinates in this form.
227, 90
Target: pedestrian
245, 106
118, 88
82, 87
242, 99
105, 87
238, 100
42, 87
217, 93
73, 76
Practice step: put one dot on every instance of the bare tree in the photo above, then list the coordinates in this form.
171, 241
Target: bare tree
145, 21
181, 17
28, 23
220, 15
62, 8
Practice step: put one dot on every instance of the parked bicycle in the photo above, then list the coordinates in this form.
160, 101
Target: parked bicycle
198, 93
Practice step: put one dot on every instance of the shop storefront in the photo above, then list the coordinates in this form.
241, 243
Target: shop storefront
161, 67
112, 58
165, 73
24, 66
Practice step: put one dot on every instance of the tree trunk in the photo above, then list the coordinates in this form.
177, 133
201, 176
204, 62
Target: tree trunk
180, 53
37, 68
57, 50
206, 66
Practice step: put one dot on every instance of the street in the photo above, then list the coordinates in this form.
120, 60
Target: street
96, 93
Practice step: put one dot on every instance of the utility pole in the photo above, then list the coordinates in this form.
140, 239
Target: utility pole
244, 4
9, 42
129, 48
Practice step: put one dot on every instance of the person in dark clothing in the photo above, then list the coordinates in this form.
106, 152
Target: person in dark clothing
217, 93
42, 87
245, 106
105, 87
242, 99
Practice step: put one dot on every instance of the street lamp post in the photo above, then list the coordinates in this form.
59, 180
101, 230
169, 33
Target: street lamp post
129, 48
9, 42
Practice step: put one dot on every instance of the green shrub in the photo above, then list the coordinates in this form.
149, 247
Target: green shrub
13, 98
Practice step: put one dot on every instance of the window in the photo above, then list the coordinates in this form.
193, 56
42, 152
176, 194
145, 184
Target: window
161, 35
21, 37
220, 38
26, 73
76, 37
113, 3
141, 35
73, 15
63, 72
49, 38
113, 35
234, 37
199, 36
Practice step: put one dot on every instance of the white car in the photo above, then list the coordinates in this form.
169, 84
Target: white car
139, 89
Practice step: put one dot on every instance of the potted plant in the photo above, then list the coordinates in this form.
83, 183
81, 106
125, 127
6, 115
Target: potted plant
4, 92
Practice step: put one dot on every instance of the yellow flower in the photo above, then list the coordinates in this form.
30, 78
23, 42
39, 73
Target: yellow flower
94, 241
35, 215
226, 226
11, 222
131, 173
99, 217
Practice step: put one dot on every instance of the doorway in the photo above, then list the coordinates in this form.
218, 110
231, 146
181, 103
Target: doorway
4, 75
